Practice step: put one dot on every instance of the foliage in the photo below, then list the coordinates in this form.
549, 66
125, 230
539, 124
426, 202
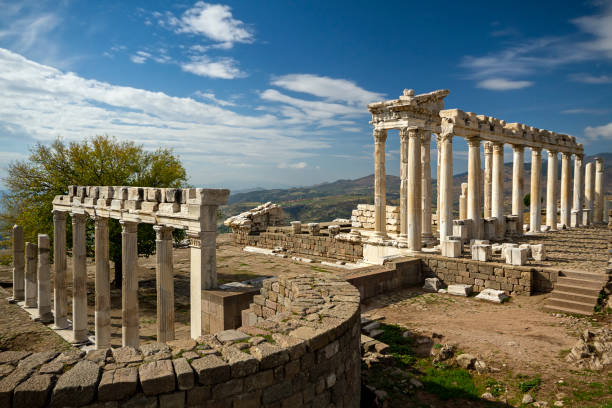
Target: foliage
400, 347
450, 383
527, 384
527, 200
98, 161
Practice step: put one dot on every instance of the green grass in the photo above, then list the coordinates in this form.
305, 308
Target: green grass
527, 384
592, 391
317, 269
399, 346
450, 383
495, 387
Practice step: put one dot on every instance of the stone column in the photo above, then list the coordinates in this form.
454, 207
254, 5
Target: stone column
445, 144
380, 183
589, 185
497, 195
129, 289
404, 183
598, 205
488, 176
463, 201
414, 189
60, 298
518, 184
164, 284
79, 279
535, 212
31, 290
566, 159
18, 263
578, 190
551, 191
103, 304
473, 201
438, 183
426, 185
44, 279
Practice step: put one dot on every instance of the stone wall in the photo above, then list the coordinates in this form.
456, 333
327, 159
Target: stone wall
257, 219
306, 353
363, 217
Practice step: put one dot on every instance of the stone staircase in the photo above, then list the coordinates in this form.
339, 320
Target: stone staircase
576, 292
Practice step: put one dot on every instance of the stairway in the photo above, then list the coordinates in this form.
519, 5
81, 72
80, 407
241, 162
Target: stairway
576, 292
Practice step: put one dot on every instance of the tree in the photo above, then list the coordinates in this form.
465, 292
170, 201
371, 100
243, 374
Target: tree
98, 161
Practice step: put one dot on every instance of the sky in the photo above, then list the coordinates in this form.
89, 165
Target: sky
274, 93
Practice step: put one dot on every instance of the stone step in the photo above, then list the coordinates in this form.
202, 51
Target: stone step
575, 297
580, 282
579, 290
576, 307
558, 309
588, 276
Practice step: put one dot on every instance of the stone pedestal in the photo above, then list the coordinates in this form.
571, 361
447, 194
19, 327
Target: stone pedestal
587, 216
451, 248
461, 230
551, 191
31, 290
79, 279
518, 183
102, 313
576, 214
481, 252
535, 215
44, 279
18, 263
446, 182
296, 227
380, 183
513, 228
490, 228
129, 289
473, 201
164, 284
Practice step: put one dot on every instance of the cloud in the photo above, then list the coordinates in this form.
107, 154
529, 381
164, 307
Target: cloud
140, 57
599, 132
502, 84
600, 27
591, 79
26, 32
577, 111
216, 22
223, 68
211, 97
299, 165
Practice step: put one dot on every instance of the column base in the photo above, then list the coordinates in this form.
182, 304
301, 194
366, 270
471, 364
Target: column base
61, 325
80, 337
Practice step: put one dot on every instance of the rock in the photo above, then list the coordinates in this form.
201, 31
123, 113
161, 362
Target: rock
13, 357
432, 285
459, 290
155, 351
78, 386
212, 369
444, 353
492, 295
126, 355
466, 360
231, 336
98, 356
371, 326
33, 393
558, 404
53, 367
157, 377
416, 383
70, 357
480, 366
118, 384
442, 291
487, 396
37, 359
527, 399
184, 374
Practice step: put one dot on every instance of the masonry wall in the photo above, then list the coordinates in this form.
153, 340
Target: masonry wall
363, 217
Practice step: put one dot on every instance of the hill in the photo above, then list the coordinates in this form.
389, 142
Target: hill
326, 201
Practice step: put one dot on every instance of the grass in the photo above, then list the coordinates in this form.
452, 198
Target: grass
450, 383
495, 387
399, 346
592, 391
317, 269
527, 384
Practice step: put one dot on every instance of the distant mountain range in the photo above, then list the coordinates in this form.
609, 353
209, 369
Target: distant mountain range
326, 201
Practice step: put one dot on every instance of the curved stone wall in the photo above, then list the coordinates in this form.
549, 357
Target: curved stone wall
302, 349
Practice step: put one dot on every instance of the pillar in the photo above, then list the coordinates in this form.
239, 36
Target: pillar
380, 204
535, 212
488, 175
598, 205
60, 298
426, 185
473, 201
414, 216
129, 289
589, 186
79, 279
566, 159
578, 190
103, 301
31, 290
445, 177
463, 201
18, 263
518, 184
44, 279
438, 182
404, 182
551, 191
164, 284
497, 191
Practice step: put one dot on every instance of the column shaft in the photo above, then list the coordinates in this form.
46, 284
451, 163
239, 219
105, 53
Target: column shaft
497, 194
438, 182
414, 190
18, 263
598, 205
79, 278
566, 159
463, 201
473, 201
404, 182
164, 284
551, 191
380, 183
129, 290
426, 185
102, 314
445, 144
60, 298
518, 185
535, 215
589, 186
44, 279
488, 179
31, 290
578, 183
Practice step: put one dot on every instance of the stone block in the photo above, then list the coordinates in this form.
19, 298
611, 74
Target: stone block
125, 355
296, 227
77, 386
132, 205
173, 400
459, 290
172, 195
505, 251
211, 369
492, 295
481, 252
538, 252
490, 228
153, 195
528, 247
587, 216
169, 208
231, 336
451, 248
118, 384
518, 256
33, 393
120, 193
157, 377
105, 192
461, 229
184, 374
148, 206
432, 285
313, 228
576, 218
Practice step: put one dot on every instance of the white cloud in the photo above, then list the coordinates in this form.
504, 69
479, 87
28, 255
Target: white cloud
600, 27
331, 89
599, 132
502, 84
216, 22
27, 31
223, 68
577, 111
591, 79
140, 57
299, 165
211, 97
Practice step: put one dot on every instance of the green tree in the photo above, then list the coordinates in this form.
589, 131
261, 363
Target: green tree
98, 161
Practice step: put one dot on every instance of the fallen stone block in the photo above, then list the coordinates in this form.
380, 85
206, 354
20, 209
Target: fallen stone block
505, 252
528, 247
432, 285
459, 290
492, 295
518, 256
76, 387
33, 393
465, 360
538, 252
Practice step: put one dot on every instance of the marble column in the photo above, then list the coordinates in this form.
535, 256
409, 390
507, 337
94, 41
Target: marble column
426, 185
18, 263
578, 190
598, 204
380, 184
60, 298
403, 183
445, 144
463, 201
488, 176
535, 212
31, 291
79, 278
164, 283
438, 183
473, 201
551, 191
589, 186
103, 304
414, 216
518, 185
497, 194
566, 159
129, 289
44, 279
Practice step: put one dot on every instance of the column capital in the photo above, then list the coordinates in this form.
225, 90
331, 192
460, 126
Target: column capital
59, 215
163, 232
195, 239
578, 156
518, 148
488, 147
425, 136
100, 220
380, 135
552, 153
413, 131
473, 141
128, 227
498, 146
566, 155
403, 134
444, 137
78, 218
536, 151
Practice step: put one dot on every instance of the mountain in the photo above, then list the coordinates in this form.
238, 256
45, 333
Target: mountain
326, 201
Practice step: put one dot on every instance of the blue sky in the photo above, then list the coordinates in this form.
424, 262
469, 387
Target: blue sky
274, 93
